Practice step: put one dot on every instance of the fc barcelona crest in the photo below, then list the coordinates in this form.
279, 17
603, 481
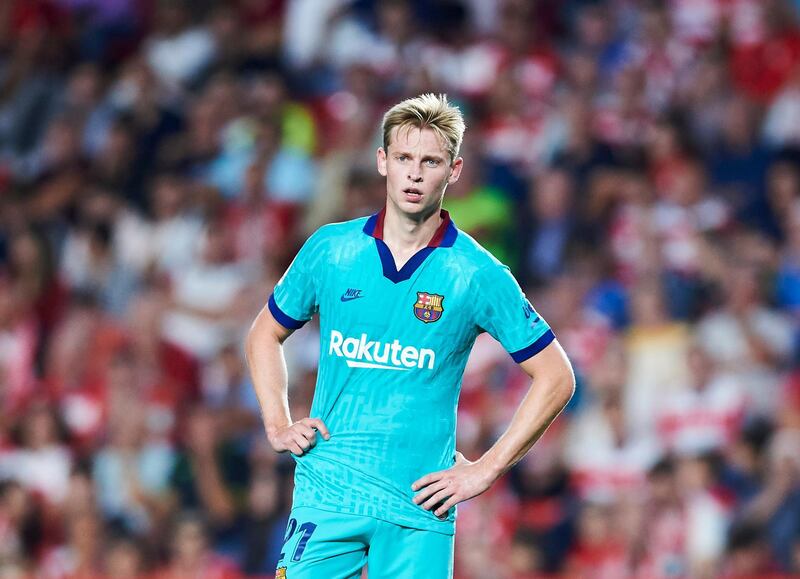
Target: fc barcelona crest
428, 307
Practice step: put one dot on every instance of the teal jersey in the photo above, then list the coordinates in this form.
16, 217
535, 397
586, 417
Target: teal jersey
393, 347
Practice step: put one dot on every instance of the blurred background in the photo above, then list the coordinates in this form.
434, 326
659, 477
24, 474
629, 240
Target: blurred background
636, 163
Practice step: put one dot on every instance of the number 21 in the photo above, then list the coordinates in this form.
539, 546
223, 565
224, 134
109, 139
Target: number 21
307, 529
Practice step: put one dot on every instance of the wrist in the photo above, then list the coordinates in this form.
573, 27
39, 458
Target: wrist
491, 466
273, 430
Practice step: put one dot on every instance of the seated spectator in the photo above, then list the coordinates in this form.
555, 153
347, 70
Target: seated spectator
775, 510
80, 555
159, 372
605, 457
287, 174
177, 51
747, 338
77, 382
787, 290
89, 265
211, 472
205, 309
552, 228
125, 558
264, 523
177, 231
18, 348
747, 554
655, 350
598, 551
21, 536
41, 461
707, 512
191, 554
662, 538
525, 555
131, 472
706, 415
37, 291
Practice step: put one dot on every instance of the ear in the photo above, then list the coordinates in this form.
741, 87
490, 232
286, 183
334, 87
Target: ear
455, 171
381, 158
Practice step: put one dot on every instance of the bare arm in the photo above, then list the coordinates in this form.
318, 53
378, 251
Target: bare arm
264, 350
553, 386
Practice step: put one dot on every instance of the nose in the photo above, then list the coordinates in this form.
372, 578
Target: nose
414, 176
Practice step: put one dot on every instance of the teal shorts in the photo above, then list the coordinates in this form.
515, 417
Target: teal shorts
322, 544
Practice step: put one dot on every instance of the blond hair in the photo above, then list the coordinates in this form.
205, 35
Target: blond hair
427, 111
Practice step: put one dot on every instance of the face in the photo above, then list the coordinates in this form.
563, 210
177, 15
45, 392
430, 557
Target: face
593, 523
123, 559
40, 428
552, 198
417, 168
189, 542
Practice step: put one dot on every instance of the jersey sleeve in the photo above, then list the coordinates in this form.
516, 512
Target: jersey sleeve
505, 313
295, 298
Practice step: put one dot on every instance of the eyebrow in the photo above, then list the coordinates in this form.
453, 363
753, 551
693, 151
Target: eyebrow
424, 158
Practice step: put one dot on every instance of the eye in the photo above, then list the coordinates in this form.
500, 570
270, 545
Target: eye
402, 157
432, 163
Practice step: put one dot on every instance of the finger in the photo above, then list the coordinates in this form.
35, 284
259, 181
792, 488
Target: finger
426, 492
305, 431
437, 499
312, 442
320, 426
301, 440
426, 480
292, 444
441, 512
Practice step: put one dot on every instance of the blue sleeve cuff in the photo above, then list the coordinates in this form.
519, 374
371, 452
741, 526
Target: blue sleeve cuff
286, 321
540, 344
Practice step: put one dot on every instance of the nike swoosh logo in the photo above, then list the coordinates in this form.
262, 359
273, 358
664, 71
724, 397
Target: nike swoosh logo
350, 298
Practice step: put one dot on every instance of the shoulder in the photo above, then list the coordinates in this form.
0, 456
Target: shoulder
475, 260
334, 233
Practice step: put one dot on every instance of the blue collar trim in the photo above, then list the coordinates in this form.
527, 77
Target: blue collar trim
445, 236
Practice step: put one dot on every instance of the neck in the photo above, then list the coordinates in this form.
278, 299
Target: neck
410, 232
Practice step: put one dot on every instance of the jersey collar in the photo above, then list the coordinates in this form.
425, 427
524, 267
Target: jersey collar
445, 236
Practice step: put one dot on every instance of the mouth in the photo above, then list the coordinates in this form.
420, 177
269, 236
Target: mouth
412, 194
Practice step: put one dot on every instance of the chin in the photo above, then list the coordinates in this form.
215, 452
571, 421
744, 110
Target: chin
421, 206
415, 209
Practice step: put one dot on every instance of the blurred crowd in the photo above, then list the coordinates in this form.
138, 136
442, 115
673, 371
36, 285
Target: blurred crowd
636, 164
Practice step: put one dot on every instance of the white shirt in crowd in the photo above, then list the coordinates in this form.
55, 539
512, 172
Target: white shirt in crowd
692, 421
204, 287
45, 470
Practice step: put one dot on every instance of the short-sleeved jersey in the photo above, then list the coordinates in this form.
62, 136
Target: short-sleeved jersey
393, 349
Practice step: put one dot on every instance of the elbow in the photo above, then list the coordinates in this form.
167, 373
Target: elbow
249, 341
254, 337
565, 386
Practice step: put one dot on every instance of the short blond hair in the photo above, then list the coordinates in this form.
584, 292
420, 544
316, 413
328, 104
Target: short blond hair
427, 111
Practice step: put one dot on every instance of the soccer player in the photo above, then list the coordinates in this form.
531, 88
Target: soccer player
401, 297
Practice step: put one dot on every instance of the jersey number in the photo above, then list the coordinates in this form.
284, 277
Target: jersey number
307, 529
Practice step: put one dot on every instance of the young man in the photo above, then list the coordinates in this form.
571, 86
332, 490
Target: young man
401, 295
